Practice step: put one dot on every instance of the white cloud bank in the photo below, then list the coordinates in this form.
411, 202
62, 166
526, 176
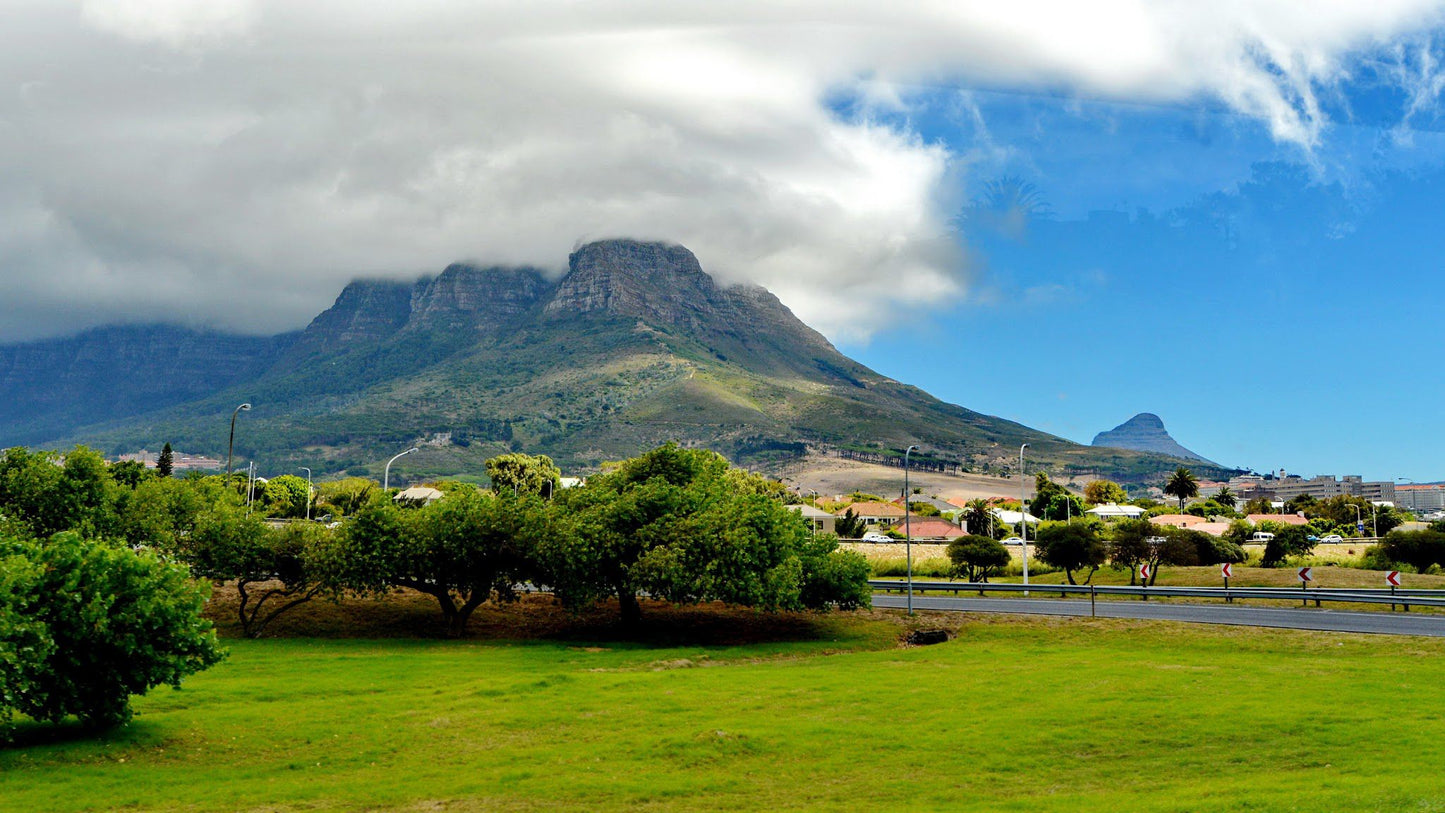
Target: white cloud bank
234, 162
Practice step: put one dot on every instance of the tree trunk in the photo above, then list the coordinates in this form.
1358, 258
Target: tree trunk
631, 609
457, 623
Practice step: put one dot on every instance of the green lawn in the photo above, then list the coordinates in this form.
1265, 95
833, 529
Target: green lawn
1027, 715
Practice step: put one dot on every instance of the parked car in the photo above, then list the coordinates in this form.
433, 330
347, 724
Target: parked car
1331, 539
1013, 540
874, 536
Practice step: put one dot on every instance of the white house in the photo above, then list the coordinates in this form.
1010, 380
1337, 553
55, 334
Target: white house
1008, 517
1111, 510
418, 495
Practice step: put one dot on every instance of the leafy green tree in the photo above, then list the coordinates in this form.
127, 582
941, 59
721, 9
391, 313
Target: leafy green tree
163, 511
166, 463
682, 525
285, 496
1256, 505
1137, 541
850, 525
977, 557
1071, 547
461, 550
979, 520
128, 473
1182, 485
1420, 550
47, 495
98, 624
1289, 540
523, 474
1098, 492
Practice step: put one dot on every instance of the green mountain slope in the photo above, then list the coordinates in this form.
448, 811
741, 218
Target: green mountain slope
635, 346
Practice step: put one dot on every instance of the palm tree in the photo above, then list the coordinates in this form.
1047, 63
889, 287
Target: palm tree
1225, 497
1182, 485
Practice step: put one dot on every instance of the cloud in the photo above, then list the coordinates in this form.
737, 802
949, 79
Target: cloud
234, 163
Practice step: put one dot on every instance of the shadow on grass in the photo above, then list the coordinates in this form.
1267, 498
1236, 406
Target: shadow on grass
32, 734
540, 617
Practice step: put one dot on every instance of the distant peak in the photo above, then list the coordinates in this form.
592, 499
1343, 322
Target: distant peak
1145, 432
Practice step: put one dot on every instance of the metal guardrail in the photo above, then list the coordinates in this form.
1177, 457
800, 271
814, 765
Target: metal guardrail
1406, 597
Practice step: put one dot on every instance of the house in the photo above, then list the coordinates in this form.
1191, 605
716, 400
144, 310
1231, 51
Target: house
822, 521
418, 496
1008, 517
1178, 520
943, 506
873, 513
1111, 510
1282, 519
1211, 528
930, 529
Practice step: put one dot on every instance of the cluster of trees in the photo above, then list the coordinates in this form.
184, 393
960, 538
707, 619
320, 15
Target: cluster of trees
1081, 548
674, 524
1420, 550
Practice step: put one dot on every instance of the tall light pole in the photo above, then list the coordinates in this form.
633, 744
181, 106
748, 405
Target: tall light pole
908, 529
1023, 512
1412, 493
1359, 521
230, 447
308, 492
386, 475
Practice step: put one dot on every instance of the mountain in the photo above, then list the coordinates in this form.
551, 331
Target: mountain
1145, 432
635, 345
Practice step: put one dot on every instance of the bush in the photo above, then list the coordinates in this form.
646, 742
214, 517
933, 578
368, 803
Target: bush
1289, 540
83, 626
1071, 547
1418, 549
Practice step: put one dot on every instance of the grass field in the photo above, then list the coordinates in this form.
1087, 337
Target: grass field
809, 712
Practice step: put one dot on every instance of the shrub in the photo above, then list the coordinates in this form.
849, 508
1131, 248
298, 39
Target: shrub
83, 626
1289, 540
1418, 549
1071, 547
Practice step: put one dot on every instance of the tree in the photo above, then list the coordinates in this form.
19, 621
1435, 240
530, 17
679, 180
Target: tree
285, 496
1256, 505
977, 557
166, 463
850, 526
99, 623
48, 495
1099, 492
523, 474
1137, 541
1071, 547
275, 570
681, 525
978, 519
128, 473
461, 550
1182, 485
1226, 497
347, 496
1418, 549
1289, 540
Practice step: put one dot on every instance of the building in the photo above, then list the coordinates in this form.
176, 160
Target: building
1178, 520
417, 495
179, 461
1111, 510
1289, 486
873, 513
1419, 498
1282, 519
821, 521
931, 529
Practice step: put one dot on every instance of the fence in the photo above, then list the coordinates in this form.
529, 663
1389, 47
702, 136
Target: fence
1363, 595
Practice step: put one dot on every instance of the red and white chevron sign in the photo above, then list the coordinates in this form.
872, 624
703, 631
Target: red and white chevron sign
1393, 578
1226, 570
1304, 574
1144, 572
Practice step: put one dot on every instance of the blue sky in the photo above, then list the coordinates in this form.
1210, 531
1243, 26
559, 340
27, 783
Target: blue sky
1277, 306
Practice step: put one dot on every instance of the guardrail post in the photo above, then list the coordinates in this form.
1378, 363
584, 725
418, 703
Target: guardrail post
1091, 601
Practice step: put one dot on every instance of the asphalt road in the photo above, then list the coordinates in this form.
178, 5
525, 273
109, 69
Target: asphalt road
1398, 623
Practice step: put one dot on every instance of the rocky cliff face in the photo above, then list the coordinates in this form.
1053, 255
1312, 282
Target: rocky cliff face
473, 298
113, 372
1145, 432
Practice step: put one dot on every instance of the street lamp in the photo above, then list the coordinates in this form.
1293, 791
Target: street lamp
308, 492
386, 475
232, 445
1359, 522
1412, 493
908, 529
1023, 513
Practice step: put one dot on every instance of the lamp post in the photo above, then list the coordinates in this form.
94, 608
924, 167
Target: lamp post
908, 529
1412, 493
308, 492
1359, 521
1023, 512
231, 446
386, 474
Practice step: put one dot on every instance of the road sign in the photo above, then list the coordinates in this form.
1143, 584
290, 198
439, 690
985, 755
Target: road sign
1360, 528
1304, 574
1144, 572
1393, 578
1226, 570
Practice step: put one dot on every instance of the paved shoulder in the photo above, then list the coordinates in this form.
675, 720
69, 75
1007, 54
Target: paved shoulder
1298, 618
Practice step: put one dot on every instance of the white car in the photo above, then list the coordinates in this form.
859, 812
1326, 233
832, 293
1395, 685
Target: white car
1331, 539
1013, 540
874, 536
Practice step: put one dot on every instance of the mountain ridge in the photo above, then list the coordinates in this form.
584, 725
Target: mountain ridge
634, 346
1145, 432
